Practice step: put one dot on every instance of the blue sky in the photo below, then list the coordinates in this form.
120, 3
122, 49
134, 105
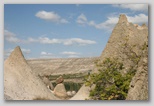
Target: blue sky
64, 30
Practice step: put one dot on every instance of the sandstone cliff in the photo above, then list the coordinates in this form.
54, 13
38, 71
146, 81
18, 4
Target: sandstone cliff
125, 37
19, 81
126, 44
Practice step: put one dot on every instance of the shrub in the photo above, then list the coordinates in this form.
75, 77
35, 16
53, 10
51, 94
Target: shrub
109, 83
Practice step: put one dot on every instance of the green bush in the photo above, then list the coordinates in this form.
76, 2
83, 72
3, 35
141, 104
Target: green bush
109, 83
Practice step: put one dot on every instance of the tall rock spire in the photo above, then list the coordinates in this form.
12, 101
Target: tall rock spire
123, 19
20, 83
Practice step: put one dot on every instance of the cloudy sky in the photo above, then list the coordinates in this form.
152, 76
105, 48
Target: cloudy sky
64, 31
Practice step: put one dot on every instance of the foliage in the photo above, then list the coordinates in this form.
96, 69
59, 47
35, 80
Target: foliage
71, 86
68, 76
109, 83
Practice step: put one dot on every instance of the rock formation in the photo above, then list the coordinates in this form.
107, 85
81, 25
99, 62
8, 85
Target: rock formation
139, 84
60, 90
73, 93
51, 86
125, 33
46, 81
59, 80
127, 39
19, 81
82, 94
69, 93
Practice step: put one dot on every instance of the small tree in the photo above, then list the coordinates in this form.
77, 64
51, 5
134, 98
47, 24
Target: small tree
109, 83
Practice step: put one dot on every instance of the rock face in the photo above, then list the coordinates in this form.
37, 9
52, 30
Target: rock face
60, 90
46, 81
139, 84
127, 38
135, 36
19, 81
59, 80
125, 32
51, 86
82, 94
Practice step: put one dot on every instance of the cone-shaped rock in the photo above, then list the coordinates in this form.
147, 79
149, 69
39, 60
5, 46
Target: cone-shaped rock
19, 81
128, 38
122, 19
124, 32
82, 94
60, 90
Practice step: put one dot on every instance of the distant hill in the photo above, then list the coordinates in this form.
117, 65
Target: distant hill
44, 67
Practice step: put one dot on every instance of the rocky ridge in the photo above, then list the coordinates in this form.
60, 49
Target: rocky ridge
61, 66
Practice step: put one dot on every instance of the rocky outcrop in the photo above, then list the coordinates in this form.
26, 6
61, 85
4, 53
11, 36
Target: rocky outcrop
60, 90
127, 39
59, 80
51, 86
139, 85
20, 83
46, 81
125, 33
82, 94
70, 94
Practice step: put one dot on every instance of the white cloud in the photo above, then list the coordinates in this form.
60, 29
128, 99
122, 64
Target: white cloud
81, 19
69, 53
10, 37
77, 41
50, 16
46, 40
108, 24
26, 51
139, 19
71, 41
133, 7
46, 54
112, 20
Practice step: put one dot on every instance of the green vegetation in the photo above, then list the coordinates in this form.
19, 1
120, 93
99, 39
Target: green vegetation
109, 83
71, 86
68, 76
